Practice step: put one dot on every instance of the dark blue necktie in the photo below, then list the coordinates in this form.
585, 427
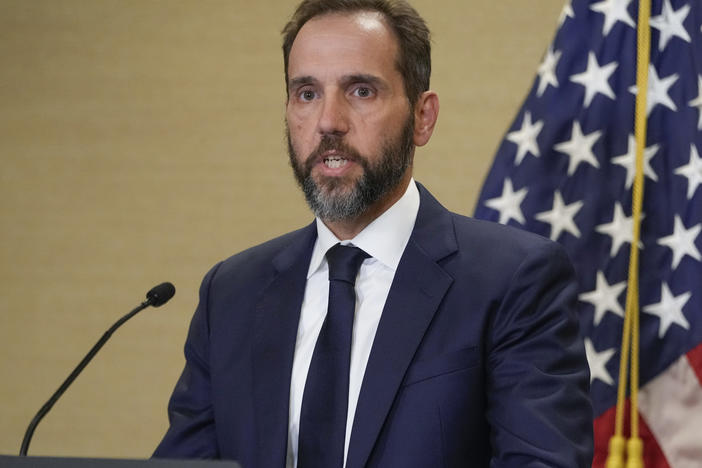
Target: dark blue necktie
325, 399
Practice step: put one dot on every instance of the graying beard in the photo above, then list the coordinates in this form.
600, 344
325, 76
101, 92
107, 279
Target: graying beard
373, 185
334, 207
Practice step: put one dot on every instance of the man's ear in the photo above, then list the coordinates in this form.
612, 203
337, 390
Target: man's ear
426, 111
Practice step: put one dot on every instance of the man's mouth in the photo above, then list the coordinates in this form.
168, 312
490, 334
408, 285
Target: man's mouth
335, 162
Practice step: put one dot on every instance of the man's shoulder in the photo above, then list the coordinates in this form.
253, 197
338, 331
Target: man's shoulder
471, 233
271, 254
490, 232
272, 247
478, 242
502, 250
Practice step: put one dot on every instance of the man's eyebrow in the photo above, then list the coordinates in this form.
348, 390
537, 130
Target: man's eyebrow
301, 81
363, 78
345, 80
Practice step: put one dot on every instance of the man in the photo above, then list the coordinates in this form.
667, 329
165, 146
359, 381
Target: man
464, 349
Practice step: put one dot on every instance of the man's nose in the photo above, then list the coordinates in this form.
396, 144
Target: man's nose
333, 119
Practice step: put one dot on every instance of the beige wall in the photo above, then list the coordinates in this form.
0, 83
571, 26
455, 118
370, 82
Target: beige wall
141, 141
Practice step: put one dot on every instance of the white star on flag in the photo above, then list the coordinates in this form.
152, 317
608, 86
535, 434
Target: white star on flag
670, 24
561, 216
566, 12
604, 297
547, 71
614, 10
620, 229
598, 362
628, 161
697, 102
682, 242
525, 138
658, 90
595, 79
669, 310
509, 203
579, 148
693, 171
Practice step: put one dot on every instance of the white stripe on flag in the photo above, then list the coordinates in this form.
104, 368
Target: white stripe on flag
671, 405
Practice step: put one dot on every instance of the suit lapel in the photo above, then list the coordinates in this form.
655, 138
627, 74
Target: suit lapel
277, 316
417, 290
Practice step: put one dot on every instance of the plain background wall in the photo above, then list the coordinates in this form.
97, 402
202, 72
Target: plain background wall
142, 141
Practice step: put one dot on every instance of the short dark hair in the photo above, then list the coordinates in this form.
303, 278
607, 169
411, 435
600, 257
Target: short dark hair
413, 36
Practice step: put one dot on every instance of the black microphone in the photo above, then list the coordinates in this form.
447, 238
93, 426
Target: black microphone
159, 295
156, 297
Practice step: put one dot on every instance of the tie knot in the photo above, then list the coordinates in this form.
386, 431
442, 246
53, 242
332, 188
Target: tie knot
344, 262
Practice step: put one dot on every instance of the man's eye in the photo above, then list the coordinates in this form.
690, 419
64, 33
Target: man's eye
307, 95
363, 92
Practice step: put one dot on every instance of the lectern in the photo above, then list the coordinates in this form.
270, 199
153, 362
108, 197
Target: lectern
7, 461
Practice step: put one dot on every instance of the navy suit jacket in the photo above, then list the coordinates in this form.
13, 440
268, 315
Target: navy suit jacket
476, 362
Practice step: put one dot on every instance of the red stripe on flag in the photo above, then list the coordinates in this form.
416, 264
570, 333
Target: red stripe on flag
604, 429
694, 357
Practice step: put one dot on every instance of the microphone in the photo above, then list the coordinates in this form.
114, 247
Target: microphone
159, 295
156, 297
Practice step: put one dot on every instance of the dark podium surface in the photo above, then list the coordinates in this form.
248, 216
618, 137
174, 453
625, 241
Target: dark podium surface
7, 461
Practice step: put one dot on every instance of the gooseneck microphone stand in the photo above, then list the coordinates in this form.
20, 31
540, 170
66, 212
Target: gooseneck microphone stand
156, 297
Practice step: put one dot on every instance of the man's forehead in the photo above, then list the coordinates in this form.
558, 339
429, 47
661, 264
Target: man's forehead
352, 41
366, 23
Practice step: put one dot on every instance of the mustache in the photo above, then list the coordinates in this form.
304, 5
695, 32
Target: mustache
333, 143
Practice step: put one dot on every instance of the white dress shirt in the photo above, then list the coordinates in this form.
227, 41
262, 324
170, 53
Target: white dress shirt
384, 240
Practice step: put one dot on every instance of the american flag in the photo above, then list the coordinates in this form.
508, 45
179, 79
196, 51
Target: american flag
565, 170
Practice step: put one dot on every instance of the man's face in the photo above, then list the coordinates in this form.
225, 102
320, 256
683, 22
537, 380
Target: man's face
349, 123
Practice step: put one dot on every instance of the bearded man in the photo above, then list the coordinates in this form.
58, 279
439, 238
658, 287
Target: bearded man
389, 332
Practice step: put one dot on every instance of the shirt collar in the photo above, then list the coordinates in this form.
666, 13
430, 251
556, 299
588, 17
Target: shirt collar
384, 239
